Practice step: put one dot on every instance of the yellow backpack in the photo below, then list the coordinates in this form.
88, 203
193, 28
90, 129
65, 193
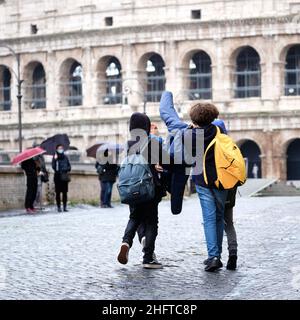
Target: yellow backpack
230, 164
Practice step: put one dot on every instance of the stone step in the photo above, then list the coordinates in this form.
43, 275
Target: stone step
280, 188
253, 186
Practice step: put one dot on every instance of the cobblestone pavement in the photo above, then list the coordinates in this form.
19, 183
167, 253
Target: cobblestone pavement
73, 255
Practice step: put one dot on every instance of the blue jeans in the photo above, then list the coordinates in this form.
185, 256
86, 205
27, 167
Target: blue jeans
106, 190
213, 207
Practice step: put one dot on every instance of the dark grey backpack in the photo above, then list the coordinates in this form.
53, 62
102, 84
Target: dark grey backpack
136, 184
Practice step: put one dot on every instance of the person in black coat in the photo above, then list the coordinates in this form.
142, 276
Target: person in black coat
61, 166
144, 214
107, 175
30, 168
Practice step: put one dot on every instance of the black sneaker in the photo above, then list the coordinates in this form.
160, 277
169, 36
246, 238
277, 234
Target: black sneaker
109, 206
124, 252
152, 265
59, 210
206, 262
231, 263
213, 264
66, 210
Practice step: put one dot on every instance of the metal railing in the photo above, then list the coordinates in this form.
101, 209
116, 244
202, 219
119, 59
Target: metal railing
73, 93
155, 85
200, 86
5, 102
292, 82
36, 96
244, 84
113, 91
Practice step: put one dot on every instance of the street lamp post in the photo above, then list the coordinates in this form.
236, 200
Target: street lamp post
19, 94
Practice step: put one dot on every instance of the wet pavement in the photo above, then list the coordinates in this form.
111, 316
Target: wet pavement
73, 255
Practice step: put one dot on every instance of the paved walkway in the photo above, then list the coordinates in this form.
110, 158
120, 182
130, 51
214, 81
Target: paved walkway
73, 255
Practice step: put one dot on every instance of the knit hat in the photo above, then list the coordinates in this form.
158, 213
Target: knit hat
140, 121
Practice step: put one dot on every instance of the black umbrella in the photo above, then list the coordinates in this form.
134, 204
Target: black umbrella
111, 147
50, 144
92, 151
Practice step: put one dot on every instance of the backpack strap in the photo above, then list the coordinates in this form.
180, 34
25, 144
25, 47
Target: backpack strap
206, 151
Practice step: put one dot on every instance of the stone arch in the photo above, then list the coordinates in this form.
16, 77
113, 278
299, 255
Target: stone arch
246, 72
152, 77
252, 153
109, 77
71, 78
197, 74
292, 154
291, 70
5, 88
35, 85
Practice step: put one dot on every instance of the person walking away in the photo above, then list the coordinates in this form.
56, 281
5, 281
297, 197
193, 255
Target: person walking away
255, 171
229, 227
212, 198
154, 133
62, 167
230, 230
30, 168
144, 213
107, 175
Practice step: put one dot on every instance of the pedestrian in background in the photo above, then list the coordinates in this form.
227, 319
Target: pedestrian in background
146, 212
30, 168
107, 173
43, 177
255, 170
62, 167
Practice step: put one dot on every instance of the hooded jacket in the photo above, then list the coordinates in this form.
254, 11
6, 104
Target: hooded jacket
142, 122
179, 176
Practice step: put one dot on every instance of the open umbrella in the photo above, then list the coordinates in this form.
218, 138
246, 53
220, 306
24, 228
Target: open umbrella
50, 144
115, 148
27, 154
111, 147
92, 151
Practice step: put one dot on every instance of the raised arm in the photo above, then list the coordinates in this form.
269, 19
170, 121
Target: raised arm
168, 113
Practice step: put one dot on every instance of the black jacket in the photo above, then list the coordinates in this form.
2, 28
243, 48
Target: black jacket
61, 164
107, 172
30, 168
152, 159
210, 166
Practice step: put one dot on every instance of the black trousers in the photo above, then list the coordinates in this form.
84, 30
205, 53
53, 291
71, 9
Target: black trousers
64, 199
61, 187
30, 192
145, 215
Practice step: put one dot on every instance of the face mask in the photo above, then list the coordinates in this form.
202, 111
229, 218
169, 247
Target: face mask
60, 151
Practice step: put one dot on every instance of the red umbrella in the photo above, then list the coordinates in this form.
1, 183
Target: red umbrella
27, 154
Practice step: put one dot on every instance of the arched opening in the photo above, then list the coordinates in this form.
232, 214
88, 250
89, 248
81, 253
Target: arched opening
292, 71
247, 74
200, 76
155, 78
111, 88
5, 89
252, 154
75, 85
293, 160
35, 85
38, 87
71, 75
